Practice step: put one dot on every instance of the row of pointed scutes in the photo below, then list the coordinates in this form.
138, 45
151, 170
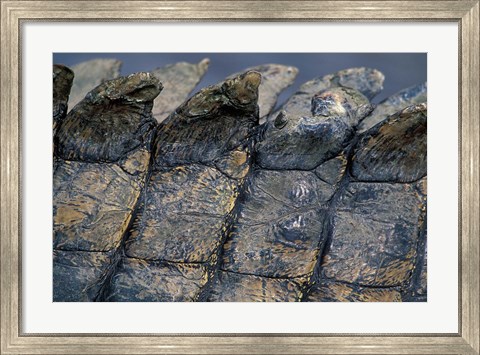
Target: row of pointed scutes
84, 144
216, 223
179, 80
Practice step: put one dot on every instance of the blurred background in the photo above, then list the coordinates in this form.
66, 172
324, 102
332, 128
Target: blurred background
401, 69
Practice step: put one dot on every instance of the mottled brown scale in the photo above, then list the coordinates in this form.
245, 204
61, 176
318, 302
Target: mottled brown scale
183, 214
395, 150
96, 194
137, 280
93, 204
375, 234
233, 287
279, 227
341, 292
112, 121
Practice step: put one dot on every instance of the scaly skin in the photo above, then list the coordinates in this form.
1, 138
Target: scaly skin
302, 208
102, 158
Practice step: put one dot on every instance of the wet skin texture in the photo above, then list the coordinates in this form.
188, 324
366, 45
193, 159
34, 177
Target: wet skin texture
211, 205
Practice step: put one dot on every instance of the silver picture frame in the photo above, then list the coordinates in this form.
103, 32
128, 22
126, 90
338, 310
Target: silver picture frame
464, 13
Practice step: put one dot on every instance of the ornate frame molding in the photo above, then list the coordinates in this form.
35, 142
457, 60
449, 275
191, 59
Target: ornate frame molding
465, 13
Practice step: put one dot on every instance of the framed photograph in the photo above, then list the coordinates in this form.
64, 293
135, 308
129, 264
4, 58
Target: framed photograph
237, 153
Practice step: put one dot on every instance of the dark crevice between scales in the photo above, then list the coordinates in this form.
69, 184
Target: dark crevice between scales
215, 260
105, 289
411, 287
70, 148
177, 127
328, 224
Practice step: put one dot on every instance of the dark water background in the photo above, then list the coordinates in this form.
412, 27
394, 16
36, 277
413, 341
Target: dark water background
401, 69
